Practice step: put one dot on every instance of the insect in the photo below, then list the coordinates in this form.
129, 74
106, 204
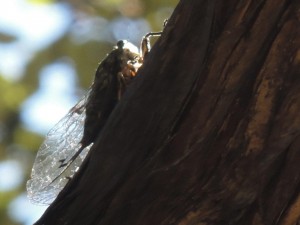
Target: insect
68, 142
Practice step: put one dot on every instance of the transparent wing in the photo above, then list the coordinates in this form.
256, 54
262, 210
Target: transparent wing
61, 143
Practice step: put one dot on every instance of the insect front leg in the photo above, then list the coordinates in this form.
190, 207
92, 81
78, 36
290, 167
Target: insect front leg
145, 45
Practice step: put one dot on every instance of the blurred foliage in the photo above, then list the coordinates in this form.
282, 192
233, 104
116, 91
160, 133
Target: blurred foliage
15, 141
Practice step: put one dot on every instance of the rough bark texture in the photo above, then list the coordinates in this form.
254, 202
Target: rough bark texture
209, 133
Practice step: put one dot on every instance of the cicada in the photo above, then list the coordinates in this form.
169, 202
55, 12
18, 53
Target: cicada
69, 141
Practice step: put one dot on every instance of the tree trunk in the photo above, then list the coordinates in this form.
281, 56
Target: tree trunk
208, 133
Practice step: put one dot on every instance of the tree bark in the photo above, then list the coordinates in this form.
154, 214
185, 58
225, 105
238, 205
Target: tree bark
209, 132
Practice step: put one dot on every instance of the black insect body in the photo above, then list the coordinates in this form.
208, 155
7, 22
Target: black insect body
111, 79
69, 141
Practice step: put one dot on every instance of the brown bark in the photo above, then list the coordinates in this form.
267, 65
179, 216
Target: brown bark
209, 133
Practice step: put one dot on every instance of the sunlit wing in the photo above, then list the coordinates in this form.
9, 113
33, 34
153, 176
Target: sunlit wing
61, 143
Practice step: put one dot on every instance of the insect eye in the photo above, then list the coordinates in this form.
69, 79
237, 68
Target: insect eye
121, 44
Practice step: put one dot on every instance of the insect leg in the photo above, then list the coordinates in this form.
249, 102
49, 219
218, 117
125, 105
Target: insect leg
145, 45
